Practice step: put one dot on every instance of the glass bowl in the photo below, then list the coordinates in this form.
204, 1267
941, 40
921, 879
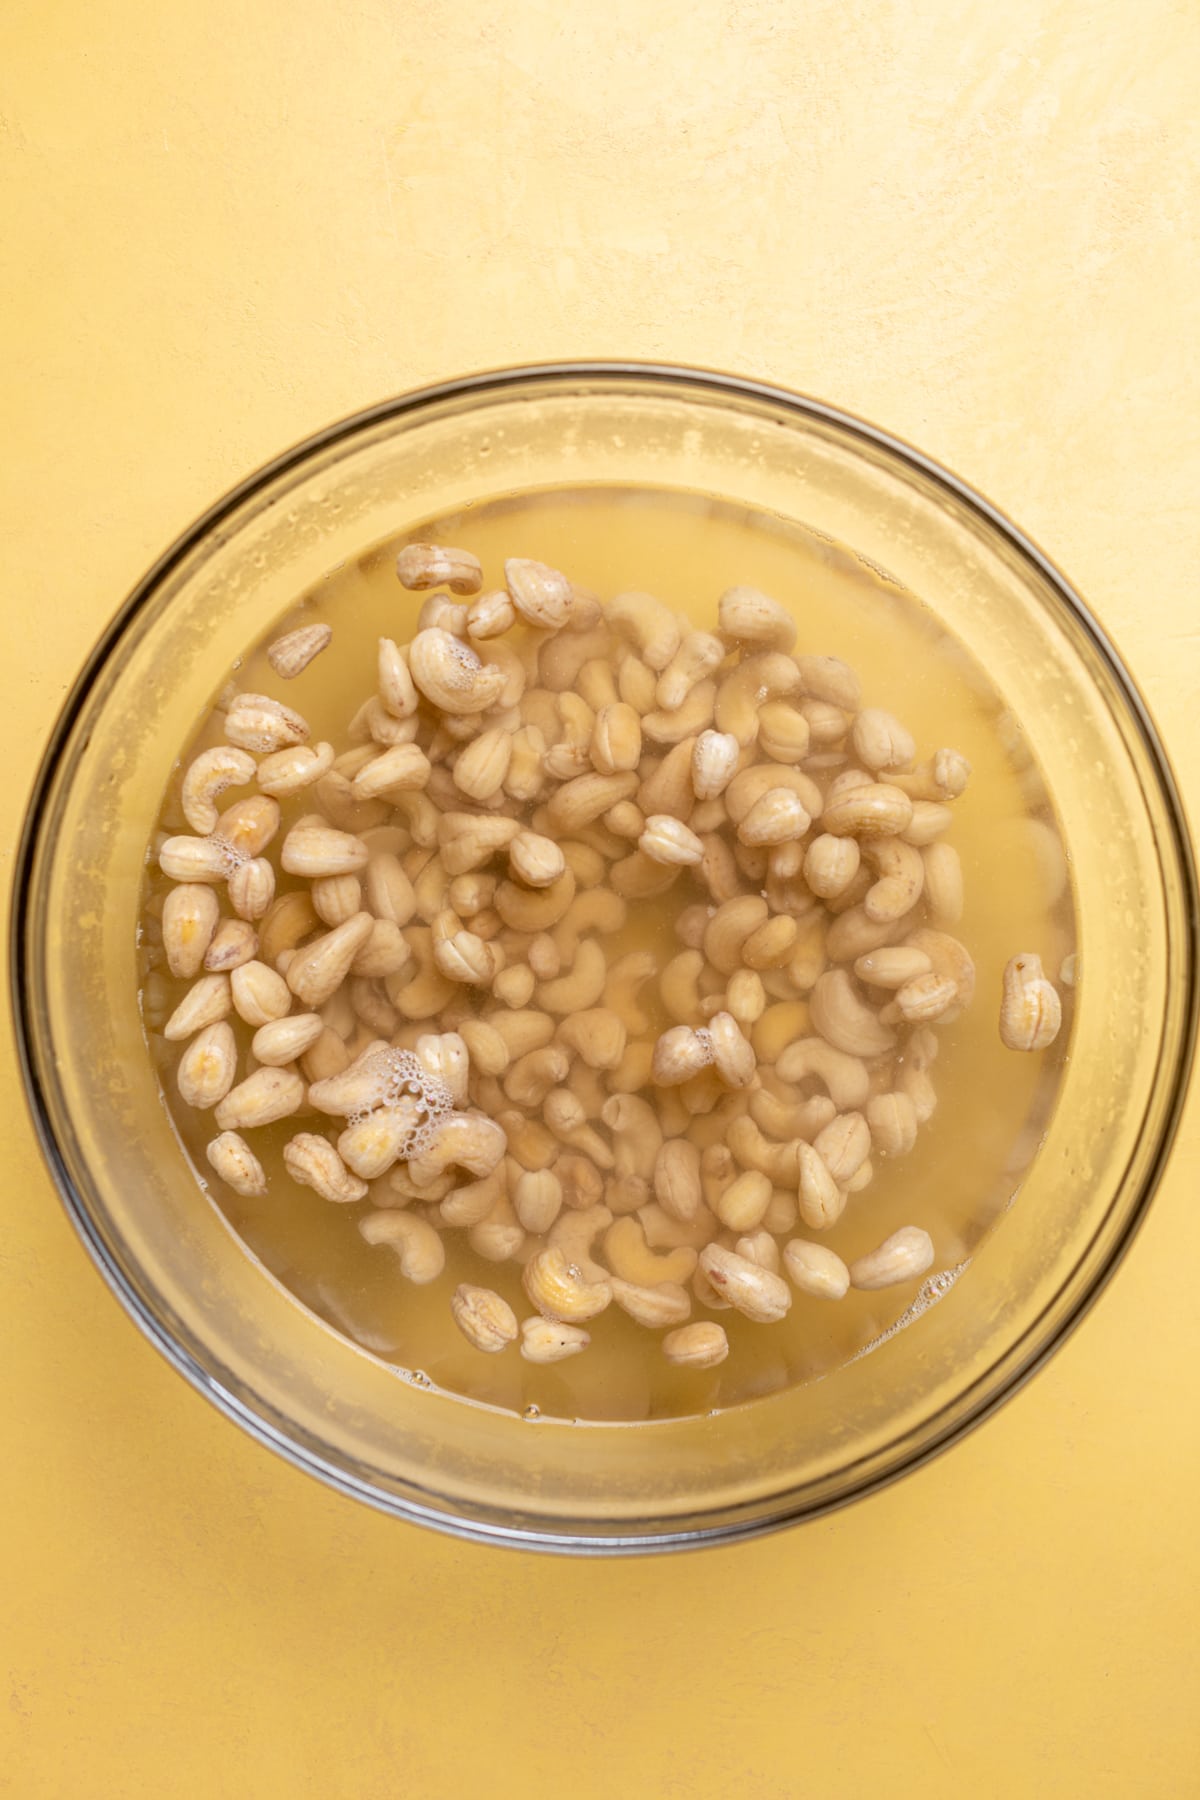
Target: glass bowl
234, 1332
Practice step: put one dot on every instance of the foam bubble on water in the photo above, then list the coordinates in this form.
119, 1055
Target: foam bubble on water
231, 858
399, 1076
934, 1288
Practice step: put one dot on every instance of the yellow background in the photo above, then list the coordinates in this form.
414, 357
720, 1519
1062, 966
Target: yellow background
227, 224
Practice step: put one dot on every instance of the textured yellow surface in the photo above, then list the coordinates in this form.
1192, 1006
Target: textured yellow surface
228, 224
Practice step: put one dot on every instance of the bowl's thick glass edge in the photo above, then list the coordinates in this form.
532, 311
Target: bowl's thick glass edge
628, 1541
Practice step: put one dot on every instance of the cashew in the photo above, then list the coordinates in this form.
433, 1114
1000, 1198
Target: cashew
821, 1200
892, 967
949, 958
783, 732
699, 653
893, 1122
747, 616
744, 1202
444, 1058
843, 1146
485, 1319
814, 1269
1030, 1010
596, 1035
754, 1151
925, 998
206, 1002
623, 982
778, 817
630, 1258
729, 927
467, 1140
537, 1198
231, 1157
549, 1341
846, 1021
666, 1303
679, 1054
636, 1134
537, 861
714, 763
189, 923
264, 1097
471, 1203
752, 1290
207, 779
207, 1067
420, 1250
541, 595
647, 624
313, 1162
581, 986
488, 1051
534, 910
768, 676
668, 840
901, 1257
829, 679
699, 1346
929, 820
499, 1236
559, 1290
901, 878
531, 1076
732, 1055
422, 566
256, 722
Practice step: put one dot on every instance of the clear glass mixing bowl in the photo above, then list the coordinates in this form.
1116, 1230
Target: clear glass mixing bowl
236, 1334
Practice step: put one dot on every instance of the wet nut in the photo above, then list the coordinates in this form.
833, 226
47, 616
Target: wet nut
616, 743
397, 769
259, 993
467, 1140
699, 1346
596, 1035
195, 859
231, 1157
372, 1145
901, 1257
743, 1205
783, 732
951, 773
263, 1097
550, 1341
485, 1319
537, 861
206, 1001
943, 883
251, 888
714, 763
648, 625
491, 615
925, 998
754, 1291
881, 742
815, 1269
746, 616
822, 1202
844, 1020
668, 840
843, 1146
420, 1250
666, 1303
206, 780
313, 1162
337, 898
1030, 1009
537, 1198
893, 1122
189, 922
291, 654
559, 1289
829, 679
699, 653
314, 850
901, 877
421, 566
256, 722
283, 1041
451, 674
874, 810
677, 1185
679, 1054
630, 1258
729, 927
777, 818
731, 1053
830, 864
318, 970
461, 955
892, 967
541, 595
207, 1067
234, 943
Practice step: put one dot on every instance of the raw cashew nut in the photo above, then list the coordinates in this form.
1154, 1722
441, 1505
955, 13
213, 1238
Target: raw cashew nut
313, 1162
1030, 1010
815, 1269
451, 674
420, 1250
754, 1291
485, 1319
699, 1346
630, 1258
559, 1290
206, 780
901, 1257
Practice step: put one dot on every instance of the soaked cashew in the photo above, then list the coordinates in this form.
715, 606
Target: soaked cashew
901, 1257
1030, 1009
815, 1269
207, 779
420, 1250
754, 1291
485, 1319
550, 1341
699, 1346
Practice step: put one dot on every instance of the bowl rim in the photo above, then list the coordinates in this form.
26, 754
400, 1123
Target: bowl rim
496, 381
